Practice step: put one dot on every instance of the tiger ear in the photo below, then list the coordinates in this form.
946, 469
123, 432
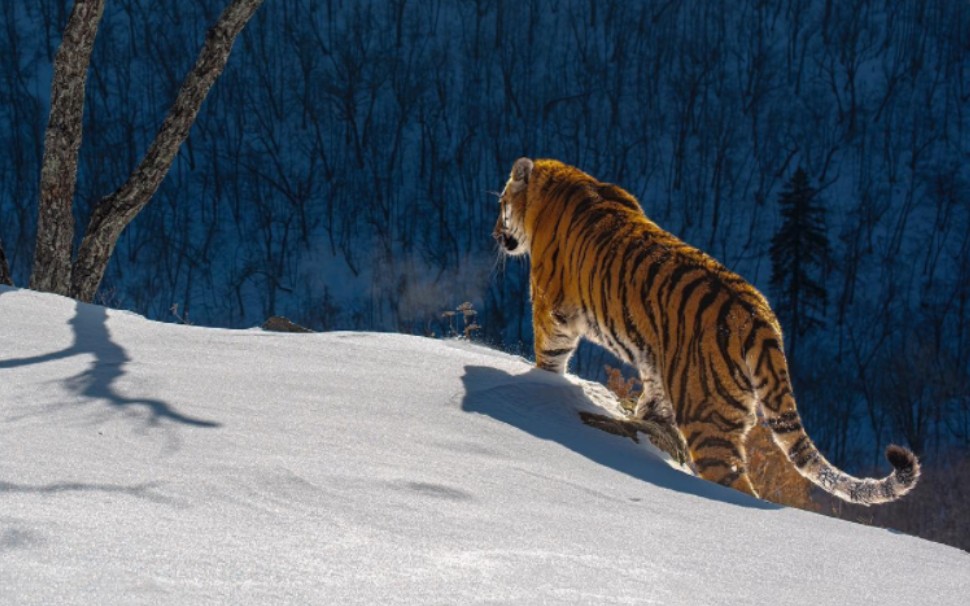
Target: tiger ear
521, 171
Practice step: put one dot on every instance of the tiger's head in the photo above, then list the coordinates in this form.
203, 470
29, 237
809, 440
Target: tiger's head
510, 231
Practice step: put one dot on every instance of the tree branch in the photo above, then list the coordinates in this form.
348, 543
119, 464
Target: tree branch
114, 212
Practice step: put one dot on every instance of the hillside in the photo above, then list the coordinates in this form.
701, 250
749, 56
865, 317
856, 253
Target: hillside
339, 172
145, 463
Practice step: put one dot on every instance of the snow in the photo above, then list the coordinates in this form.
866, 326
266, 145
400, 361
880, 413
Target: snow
146, 463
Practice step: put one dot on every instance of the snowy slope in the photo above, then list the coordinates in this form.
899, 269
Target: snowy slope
147, 463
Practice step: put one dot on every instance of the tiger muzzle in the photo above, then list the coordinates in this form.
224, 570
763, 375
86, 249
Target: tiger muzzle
509, 243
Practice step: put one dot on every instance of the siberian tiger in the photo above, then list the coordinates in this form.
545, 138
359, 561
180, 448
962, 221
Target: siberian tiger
706, 344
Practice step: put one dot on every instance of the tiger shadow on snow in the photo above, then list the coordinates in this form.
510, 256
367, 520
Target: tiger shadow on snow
547, 406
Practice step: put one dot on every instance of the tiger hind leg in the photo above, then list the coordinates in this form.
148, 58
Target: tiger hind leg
717, 449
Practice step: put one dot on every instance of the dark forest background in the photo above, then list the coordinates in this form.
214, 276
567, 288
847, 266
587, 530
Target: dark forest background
340, 172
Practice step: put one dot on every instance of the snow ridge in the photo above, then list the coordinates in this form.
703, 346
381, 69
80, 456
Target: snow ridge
145, 463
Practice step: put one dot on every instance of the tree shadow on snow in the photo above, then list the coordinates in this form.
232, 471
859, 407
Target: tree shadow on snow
148, 491
91, 336
547, 405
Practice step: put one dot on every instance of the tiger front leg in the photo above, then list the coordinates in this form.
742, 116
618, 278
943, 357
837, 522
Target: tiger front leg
555, 340
653, 403
654, 414
656, 419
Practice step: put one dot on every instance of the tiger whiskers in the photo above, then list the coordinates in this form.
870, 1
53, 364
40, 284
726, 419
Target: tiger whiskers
500, 259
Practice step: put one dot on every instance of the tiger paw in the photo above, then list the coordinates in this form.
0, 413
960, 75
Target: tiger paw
628, 406
667, 438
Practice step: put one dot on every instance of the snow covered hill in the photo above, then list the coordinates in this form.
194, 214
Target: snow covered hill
147, 463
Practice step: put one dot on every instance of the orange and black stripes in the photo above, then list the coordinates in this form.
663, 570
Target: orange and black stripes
704, 338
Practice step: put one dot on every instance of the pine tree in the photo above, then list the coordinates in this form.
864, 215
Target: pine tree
799, 253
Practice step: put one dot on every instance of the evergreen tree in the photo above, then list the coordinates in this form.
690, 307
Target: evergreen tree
799, 252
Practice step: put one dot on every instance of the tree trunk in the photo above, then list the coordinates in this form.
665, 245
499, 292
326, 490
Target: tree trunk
114, 212
58, 175
5, 278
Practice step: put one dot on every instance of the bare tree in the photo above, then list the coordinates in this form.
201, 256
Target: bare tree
58, 175
5, 278
53, 270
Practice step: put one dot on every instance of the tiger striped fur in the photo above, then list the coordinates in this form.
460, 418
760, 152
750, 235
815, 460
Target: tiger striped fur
705, 342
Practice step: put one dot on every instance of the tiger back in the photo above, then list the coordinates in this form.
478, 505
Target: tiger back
705, 342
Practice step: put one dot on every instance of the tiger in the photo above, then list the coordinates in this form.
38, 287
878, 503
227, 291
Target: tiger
705, 343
